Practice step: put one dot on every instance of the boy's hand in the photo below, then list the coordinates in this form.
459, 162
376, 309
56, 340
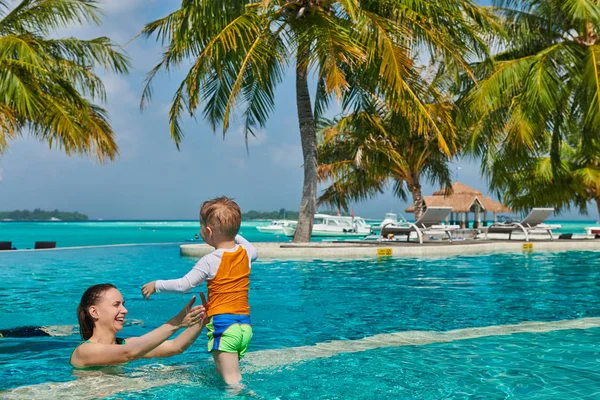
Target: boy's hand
149, 289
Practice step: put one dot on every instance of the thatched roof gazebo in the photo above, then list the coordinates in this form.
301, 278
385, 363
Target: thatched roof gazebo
464, 200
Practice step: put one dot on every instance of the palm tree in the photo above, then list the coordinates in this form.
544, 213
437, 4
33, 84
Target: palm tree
539, 95
537, 182
240, 51
46, 84
360, 154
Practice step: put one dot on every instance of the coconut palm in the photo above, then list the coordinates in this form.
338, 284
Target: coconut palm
240, 50
538, 182
362, 153
47, 85
541, 90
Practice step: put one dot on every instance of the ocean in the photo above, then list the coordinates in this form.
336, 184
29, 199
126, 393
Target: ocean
23, 235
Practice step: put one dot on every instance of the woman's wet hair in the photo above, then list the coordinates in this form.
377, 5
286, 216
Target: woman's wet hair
90, 297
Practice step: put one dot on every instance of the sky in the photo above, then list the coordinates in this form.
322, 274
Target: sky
151, 179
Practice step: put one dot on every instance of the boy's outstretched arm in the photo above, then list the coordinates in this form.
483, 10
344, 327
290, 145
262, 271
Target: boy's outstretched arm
197, 275
252, 253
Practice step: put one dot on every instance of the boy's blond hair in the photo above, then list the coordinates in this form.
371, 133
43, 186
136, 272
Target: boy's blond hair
223, 215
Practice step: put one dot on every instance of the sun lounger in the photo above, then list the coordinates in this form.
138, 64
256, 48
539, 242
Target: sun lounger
6, 246
430, 223
45, 245
533, 222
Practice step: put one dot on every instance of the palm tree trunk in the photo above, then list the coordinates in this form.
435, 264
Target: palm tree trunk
308, 137
597, 198
418, 202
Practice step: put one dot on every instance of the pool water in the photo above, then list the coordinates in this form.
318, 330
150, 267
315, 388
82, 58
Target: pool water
362, 328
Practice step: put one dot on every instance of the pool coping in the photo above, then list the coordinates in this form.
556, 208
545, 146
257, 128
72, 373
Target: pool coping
354, 249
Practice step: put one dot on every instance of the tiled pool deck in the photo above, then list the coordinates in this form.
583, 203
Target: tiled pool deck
400, 249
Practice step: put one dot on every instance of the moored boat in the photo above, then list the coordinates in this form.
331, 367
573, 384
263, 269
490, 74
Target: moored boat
334, 226
593, 230
276, 226
390, 218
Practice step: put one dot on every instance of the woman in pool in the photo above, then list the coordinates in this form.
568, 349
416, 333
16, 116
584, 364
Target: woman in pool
101, 314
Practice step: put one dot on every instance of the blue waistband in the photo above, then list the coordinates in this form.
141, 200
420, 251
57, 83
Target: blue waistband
230, 319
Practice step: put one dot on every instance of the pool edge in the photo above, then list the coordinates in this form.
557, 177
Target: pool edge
394, 249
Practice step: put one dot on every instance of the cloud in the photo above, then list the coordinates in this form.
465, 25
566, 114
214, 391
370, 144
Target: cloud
118, 6
119, 91
238, 162
286, 155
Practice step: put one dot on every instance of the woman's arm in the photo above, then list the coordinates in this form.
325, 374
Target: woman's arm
183, 341
179, 344
98, 354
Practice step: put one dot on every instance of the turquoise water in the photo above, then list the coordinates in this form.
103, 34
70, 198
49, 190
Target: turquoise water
363, 328
96, 233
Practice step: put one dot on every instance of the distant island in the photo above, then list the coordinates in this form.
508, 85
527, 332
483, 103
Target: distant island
281, 214
41, 215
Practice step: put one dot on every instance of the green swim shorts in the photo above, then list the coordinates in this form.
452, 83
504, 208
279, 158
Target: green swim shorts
230, 333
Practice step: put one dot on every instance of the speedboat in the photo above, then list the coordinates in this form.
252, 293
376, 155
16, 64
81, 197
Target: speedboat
390, 218
276, 226
334, 226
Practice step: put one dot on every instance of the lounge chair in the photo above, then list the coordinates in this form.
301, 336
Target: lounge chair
6, 246
44, 245
534, 221
429, 223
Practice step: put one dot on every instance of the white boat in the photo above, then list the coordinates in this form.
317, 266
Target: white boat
593, 230
276, 226
333, 226
390, 218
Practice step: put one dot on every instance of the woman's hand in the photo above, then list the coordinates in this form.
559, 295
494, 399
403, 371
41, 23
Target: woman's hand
194, 319
189, 315
205, 305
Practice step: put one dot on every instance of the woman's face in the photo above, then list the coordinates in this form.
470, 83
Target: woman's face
109, 312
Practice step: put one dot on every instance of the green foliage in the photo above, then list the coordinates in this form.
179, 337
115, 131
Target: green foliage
47, 85
240, 50
270, 215
355, 49
534, 115
362, 153
40, 215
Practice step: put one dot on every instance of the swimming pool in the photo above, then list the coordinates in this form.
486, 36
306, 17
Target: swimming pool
366, 328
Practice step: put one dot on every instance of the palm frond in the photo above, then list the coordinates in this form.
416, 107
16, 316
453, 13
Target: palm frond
46, 84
